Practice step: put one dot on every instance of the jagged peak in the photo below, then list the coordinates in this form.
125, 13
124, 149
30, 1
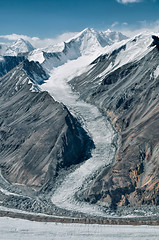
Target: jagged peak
83, 32
93, 32
86, 30
21, 41
108, 30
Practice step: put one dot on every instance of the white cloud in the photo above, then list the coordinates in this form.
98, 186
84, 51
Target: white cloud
128, 1
125, 24
115, 24
40, 43
142, 26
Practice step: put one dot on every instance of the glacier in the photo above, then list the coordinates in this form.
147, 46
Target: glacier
98, 128
65, 61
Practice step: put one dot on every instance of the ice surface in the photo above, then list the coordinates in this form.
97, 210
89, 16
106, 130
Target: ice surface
17, 229
97, 127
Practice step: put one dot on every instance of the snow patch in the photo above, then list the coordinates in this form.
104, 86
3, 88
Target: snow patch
6, 192
36, 55
156, 72
1, 59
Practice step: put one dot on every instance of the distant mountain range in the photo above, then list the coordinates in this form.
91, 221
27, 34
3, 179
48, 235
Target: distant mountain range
45, 138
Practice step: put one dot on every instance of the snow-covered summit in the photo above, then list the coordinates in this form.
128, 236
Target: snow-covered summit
84, 43
90, 39
20, 46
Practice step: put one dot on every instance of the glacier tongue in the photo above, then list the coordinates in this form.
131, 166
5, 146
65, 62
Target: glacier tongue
98, 128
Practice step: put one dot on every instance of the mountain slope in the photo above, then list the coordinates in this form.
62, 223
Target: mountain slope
38, 135
125, 87
7, 63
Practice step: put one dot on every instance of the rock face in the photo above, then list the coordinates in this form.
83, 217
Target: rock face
155, 41
38, 136
7, 63
128, 94
35, 72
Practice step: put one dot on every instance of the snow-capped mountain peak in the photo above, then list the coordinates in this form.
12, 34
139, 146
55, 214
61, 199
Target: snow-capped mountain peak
20, 46
82, 33
87, 42
23, 45
90, 40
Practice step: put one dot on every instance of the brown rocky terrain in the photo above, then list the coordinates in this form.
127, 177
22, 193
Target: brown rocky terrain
39, 138
86, 220
129, 97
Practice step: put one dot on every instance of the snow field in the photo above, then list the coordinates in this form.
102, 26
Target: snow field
17, 229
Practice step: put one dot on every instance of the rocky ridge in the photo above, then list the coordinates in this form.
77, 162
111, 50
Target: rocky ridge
128, 94
38, 135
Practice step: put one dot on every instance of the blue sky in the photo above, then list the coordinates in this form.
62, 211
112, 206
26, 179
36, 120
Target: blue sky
50, 18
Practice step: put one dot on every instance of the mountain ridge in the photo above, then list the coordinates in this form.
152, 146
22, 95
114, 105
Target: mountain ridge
84, 43
33, 146
127, 92
121, 80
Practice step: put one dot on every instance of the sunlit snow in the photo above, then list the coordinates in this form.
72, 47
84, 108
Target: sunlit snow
156, 72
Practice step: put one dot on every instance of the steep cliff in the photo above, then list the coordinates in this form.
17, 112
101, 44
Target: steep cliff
38, 136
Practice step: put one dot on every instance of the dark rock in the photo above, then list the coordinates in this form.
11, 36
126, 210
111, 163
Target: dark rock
116, 51
8, 63
35, 71
155, 41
